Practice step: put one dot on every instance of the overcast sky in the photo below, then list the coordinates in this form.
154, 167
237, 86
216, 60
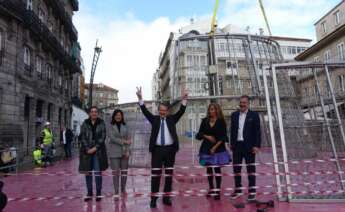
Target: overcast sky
134, 32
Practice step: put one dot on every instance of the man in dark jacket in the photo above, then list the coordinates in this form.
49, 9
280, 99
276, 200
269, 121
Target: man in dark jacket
164, 145
245, 144
67, 139
93, 154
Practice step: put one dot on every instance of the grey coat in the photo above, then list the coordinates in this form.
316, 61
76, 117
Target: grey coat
115, 141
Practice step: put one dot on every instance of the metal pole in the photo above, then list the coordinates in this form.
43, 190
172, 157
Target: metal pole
282, 134
329, 129
340, 124
272, 135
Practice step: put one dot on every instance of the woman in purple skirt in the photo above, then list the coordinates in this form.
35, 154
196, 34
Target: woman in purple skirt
212, 151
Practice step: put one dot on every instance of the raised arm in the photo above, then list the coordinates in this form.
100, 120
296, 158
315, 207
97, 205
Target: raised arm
177, 116
146, 112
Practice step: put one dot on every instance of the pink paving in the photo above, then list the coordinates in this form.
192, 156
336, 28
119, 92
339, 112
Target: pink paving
73, 185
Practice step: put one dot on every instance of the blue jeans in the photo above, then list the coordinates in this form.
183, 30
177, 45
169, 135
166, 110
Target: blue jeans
97, 174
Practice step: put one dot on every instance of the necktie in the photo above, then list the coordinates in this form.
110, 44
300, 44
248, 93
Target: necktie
162, 133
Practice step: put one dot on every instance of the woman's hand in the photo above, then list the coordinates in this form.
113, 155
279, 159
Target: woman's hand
213, 150
127, 142
210, 138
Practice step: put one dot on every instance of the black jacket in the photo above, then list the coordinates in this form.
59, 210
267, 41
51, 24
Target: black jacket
218, 131
171, 121
87, 142
251, 131
69, 136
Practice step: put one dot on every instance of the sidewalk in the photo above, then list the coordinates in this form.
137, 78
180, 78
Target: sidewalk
72, 187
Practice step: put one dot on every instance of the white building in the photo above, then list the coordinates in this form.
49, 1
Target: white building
77, 119
291, 47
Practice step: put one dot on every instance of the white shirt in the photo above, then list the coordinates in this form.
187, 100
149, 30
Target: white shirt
167, 137
64, 137
241, 121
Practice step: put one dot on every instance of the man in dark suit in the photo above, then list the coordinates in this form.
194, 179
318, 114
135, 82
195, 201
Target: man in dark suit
245, 144
164, 145
67, 139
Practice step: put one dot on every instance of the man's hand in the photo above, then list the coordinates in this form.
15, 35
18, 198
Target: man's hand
139, 93
92, 150
184, 95
255, 150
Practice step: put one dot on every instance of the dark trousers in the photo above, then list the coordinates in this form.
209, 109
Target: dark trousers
162, 157
239, 154
98, 177
68, 150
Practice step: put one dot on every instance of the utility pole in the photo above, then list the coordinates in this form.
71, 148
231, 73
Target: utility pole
96, 56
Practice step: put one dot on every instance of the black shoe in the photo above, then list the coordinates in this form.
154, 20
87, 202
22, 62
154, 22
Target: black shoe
88, 197
153, 203
98, 198
167, 201
236, 195
210, 194
217, 196
251, 198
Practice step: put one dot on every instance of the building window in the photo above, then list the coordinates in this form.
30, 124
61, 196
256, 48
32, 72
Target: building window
41, 15
60, 81
327, 56
49, 72
50, 26
29, 4
2, 49
337, 17
39, 67
27, 55
341, 51
232, 67
324, 27
316, 59
342, 82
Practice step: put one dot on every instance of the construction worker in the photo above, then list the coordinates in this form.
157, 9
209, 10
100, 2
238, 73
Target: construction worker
47, 139
38, 156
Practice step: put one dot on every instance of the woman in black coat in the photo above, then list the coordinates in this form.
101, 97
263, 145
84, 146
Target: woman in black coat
212, 151
93, 154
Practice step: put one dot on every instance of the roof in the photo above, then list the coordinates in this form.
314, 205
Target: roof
290, 38
101, 87
342, 1
322, 43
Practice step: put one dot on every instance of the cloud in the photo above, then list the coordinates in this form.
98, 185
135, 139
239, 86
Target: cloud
286, 18
131, 49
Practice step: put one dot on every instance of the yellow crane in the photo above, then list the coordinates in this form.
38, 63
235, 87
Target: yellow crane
214, 19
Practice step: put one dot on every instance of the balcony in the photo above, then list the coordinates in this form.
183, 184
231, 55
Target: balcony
16, 9
66, 19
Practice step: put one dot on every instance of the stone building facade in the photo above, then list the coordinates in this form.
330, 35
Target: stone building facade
103, 96
39, 55
330, 47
